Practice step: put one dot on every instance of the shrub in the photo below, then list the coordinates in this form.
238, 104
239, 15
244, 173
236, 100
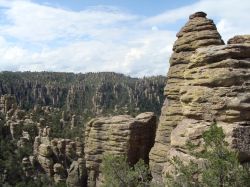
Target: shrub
118, 173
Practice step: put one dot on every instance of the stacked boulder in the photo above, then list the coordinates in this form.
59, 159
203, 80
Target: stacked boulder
118, 135
207, 82
198, 32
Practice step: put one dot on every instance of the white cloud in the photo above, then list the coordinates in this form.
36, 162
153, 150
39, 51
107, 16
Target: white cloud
39, 37
230, 15
34, 22
95, 39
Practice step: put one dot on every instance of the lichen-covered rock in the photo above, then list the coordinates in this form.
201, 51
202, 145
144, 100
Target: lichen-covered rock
118, 135
212, 86
198, 32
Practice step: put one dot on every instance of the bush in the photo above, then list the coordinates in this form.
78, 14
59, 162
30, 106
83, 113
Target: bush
118, 173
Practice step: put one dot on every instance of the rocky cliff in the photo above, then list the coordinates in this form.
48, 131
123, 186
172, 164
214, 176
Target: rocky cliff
91, 93
207, 82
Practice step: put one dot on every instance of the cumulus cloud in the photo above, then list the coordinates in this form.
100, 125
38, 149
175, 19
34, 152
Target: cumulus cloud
40, 37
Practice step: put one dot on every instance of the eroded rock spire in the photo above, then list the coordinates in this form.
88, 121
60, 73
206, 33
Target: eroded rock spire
198, 32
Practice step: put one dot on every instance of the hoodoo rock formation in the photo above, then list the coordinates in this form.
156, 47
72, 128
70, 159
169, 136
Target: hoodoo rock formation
118, 135
207, 82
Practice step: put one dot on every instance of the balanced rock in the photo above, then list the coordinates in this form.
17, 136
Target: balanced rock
118, 135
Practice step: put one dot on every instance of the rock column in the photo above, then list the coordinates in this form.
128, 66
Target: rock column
198, 32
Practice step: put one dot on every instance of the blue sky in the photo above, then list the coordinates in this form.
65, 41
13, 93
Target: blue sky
142, 7
133, 37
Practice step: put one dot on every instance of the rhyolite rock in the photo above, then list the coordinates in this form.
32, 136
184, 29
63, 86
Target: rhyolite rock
207, 82
118, 135
198, 32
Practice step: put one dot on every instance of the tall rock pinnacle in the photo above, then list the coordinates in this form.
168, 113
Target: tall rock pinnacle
198, 32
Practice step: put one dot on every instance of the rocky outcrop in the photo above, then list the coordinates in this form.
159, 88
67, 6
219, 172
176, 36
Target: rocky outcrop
207, 82
198, 32
118, 135
217, 89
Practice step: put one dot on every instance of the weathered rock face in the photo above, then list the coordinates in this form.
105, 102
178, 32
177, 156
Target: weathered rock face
207, 82
198, 32
217, 89
118, 135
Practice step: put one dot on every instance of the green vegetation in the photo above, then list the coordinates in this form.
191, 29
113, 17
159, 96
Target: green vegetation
118, 173
108, 92
220, 166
